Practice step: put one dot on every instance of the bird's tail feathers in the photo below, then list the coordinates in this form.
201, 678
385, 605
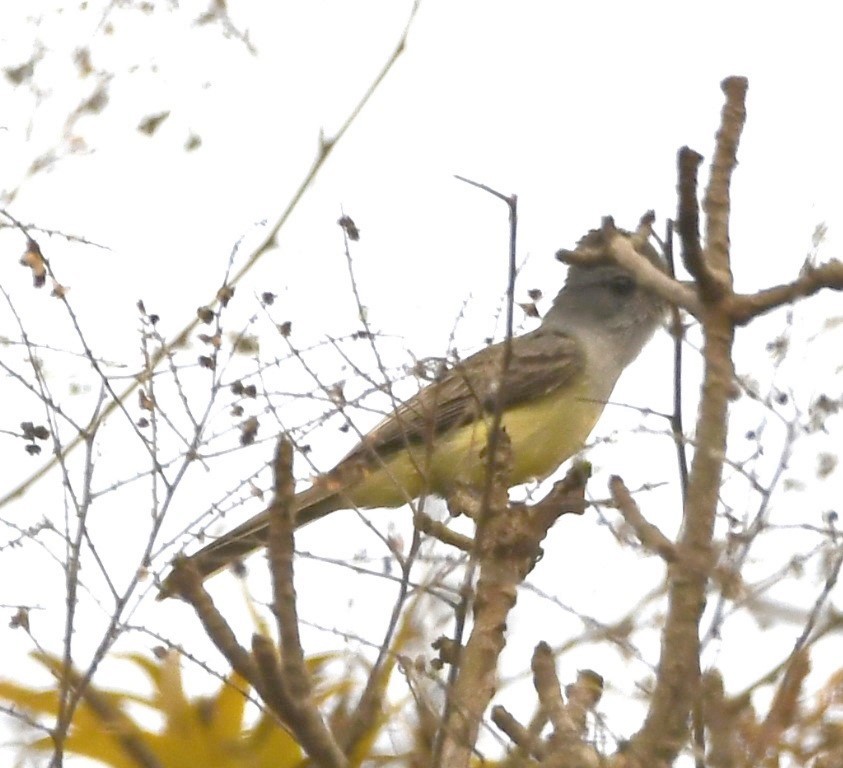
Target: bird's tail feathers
310, 505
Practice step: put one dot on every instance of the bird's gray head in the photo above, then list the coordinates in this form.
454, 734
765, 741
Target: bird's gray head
603, 299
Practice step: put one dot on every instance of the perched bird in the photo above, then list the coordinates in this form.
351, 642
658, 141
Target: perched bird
554, 388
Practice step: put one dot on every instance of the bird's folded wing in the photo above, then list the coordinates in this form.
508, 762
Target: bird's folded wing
541, 362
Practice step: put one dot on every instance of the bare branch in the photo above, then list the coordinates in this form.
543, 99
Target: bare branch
583, 696
298, 714
648, 534
519, 735
506, 556
783, 708
549, 690
719, 722
677, 679
566, 746
745, 307
326, 145
458, 733
274, 692
677, 331
116, 723
688, 223
717, 202
281, 548
426, 524
187, 583
283, 683
647, 274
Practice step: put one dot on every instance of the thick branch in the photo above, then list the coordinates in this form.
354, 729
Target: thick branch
299, 715
719, 723
286, 679
717, 202
677, 680
281, 547
506, 555
549, 691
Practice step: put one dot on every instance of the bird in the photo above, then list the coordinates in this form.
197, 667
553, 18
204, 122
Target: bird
549, 396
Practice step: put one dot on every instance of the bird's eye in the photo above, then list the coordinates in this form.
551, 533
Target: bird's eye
622, 285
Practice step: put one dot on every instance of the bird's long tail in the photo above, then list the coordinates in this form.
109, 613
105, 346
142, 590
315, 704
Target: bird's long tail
310, 505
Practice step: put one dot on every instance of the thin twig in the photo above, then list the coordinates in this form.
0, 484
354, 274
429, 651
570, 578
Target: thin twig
326, 146
454, 747
677, 331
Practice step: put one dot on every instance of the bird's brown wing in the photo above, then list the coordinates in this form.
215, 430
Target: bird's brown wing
541, 362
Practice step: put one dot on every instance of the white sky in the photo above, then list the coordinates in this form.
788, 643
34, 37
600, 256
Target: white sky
578, 108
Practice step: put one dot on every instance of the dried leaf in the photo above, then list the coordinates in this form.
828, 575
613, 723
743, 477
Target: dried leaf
34, 259
349, 227
244, 344
82, 60
215, 341
151, 123
146, 402
225, 294
19, 75
244, 390
530, 309
205, 315
20, 619
249, 430
826, 464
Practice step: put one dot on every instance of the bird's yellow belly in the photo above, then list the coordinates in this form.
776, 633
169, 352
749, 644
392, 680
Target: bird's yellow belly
543, 434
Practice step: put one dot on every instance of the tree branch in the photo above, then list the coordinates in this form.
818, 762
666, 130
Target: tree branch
647, 274
677, 679
745, 307
506, 556
648, 534
326, 145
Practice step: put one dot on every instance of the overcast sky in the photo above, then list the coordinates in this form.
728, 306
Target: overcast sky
578, 108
